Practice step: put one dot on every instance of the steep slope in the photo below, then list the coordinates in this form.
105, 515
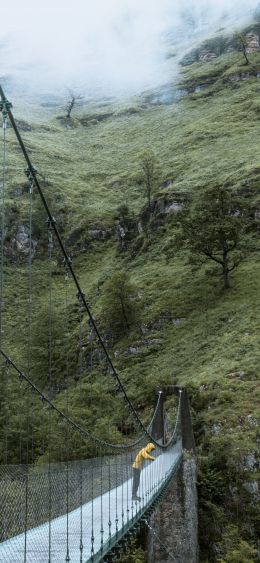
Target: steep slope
188, 330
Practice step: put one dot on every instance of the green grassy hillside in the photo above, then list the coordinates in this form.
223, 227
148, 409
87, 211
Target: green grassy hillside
188, 330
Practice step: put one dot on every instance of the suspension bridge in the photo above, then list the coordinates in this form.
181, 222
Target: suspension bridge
55, 507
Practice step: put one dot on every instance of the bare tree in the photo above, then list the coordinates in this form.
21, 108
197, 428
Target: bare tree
242, 43
72, 101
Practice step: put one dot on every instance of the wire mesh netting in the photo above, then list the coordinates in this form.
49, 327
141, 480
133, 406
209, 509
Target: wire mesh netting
53, 510
31, 495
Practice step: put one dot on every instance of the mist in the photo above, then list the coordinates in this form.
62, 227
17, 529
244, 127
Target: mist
109, 47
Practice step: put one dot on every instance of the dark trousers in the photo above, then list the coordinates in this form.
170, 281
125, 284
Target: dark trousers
136, 481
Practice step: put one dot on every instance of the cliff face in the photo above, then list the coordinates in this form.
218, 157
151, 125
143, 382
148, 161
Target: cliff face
175, 521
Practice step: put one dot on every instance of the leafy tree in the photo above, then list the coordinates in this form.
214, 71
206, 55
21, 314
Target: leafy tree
134, 554
236, 550
147, 162
214, 228
118, 303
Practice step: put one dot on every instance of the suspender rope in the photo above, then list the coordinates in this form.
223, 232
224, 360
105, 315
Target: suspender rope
3, 223
122, 495
6, 408
50, 248
67, 408
101, 501
92, 511
31, 399
81, 547
26, 514
5, 380
109, 501
116, 519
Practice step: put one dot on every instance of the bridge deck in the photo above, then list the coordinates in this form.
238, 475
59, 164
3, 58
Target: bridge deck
115, 506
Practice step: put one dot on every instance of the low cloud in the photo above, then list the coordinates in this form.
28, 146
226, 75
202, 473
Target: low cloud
107, 46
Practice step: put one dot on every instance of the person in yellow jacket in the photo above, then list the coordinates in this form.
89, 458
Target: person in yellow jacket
137, 466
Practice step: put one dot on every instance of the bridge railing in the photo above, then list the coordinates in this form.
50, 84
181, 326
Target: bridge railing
32, 494
57, 508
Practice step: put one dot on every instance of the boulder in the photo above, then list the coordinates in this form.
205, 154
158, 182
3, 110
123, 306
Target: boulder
206, 56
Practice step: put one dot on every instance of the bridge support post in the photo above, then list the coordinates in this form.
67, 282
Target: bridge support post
158, 422
174, 523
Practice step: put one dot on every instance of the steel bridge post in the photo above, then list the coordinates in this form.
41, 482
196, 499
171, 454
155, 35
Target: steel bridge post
158, 431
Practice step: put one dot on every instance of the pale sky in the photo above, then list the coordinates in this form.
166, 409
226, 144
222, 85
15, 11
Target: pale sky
108, 44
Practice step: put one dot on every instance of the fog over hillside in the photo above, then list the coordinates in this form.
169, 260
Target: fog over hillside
109, 47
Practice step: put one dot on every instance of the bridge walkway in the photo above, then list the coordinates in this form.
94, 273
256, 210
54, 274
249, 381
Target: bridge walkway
115, 506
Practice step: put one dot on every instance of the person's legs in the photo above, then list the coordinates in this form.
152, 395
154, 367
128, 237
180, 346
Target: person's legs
136, 481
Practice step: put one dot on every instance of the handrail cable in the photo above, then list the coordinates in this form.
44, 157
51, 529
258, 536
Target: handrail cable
31, 172
76, 426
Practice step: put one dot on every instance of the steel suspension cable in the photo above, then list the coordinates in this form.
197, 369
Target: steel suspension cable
84, 433
45, 399
7, 107
75, 425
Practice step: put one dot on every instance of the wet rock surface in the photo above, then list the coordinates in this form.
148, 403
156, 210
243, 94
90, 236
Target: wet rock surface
176, 520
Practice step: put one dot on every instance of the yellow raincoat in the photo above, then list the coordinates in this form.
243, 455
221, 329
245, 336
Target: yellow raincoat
142, 455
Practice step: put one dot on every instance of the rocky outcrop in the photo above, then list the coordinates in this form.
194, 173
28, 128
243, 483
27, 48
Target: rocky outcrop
95, 118
207, 51
163, 205
22, 125
175, 521
126, 229
99, 233
244, 75
21, 240
253, 45
212, 48
17, 246
83, 237
139, 348
206, 56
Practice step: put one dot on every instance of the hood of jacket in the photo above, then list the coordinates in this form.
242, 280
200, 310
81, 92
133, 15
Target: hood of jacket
150, 447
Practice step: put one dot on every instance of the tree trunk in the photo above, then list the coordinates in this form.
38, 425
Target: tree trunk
226, 277
225, 267
149, 201
124, 314
245, 55
70, 107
